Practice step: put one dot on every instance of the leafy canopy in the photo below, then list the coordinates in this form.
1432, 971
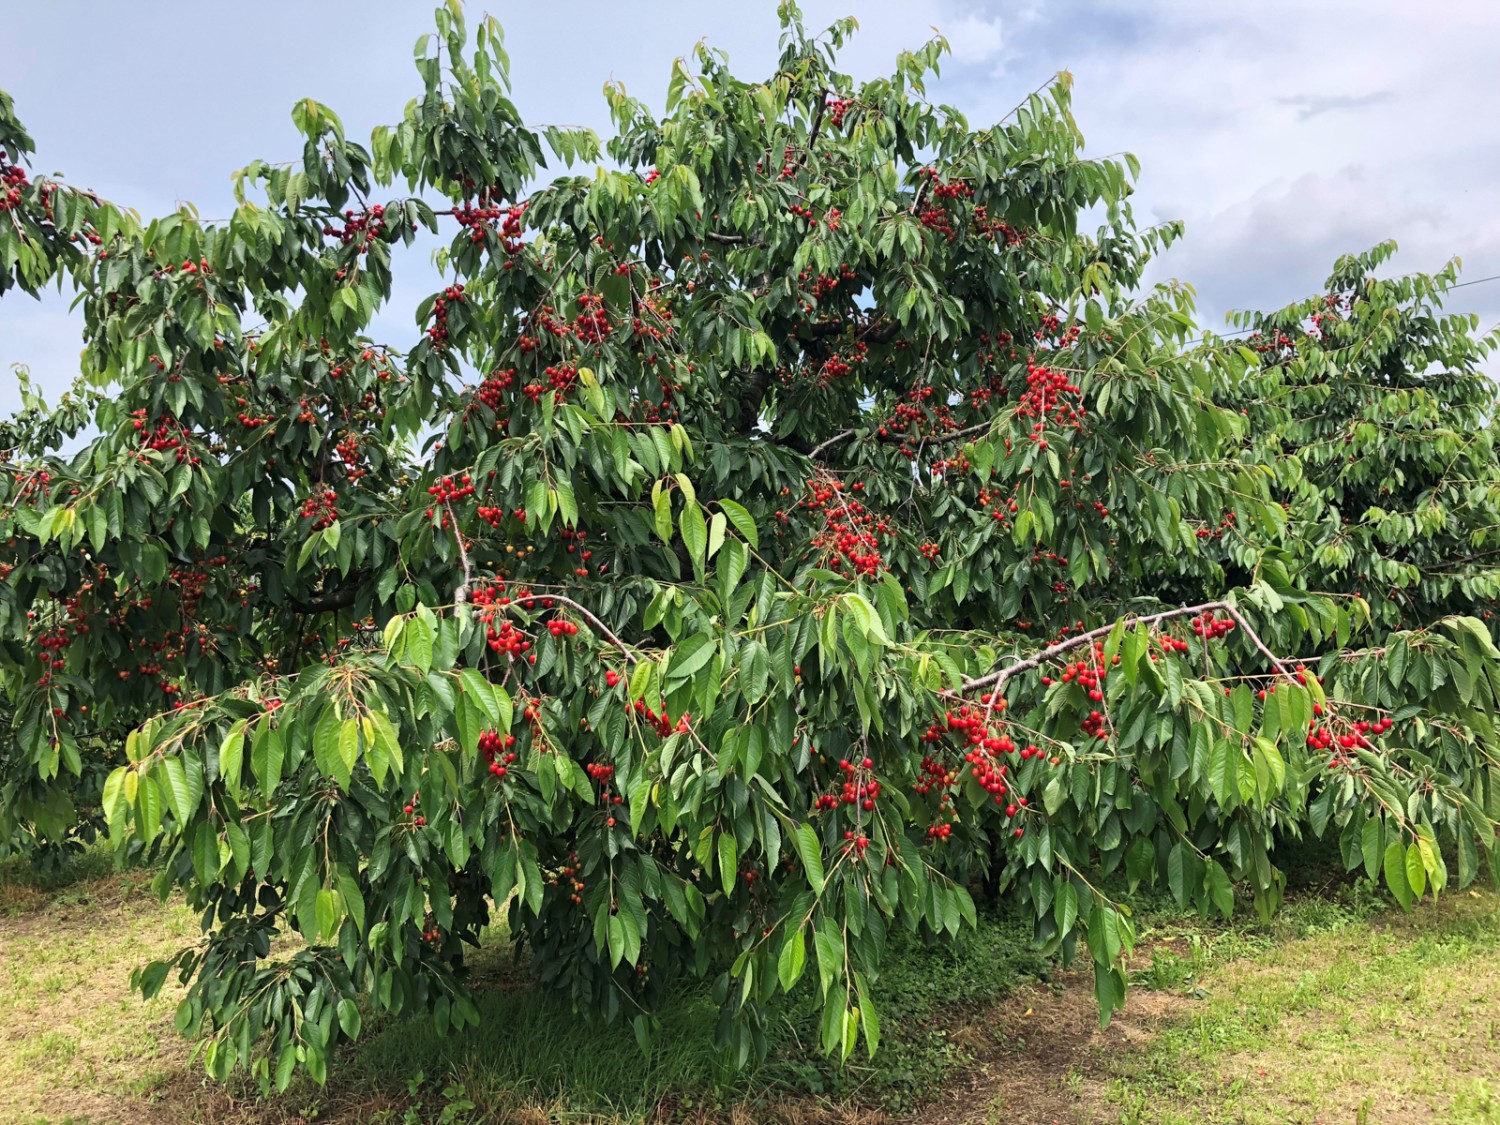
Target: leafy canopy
771, 537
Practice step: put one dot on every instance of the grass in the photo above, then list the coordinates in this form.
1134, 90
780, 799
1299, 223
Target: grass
1340, 1013
1339, 1010
74, 1038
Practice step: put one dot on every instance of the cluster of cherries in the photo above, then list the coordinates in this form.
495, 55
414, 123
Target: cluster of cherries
570, 872
498, 751
841, 363
992, 229
836, 108
504, 638
491, 392
923, 415
162, 435
591, 325
1049, 397
1211, 628
411, 807
480, 222
13, 181
859, 787
321, 508
850, 537
348, 451
249, 421
824, 284
661, 326
445, 491
188, 266
361, 227
1225, 524
1319, 737
438, 331
935, 214
658, 720
986, 749
604, 776
561, 379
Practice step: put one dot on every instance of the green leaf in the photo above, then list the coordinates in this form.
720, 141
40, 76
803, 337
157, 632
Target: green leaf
1395, 874
1220, 890
740, 517
661, 503
830, 951
179, 793
232, 757
690, 657
729, 858
1065, 906
811, 855
349, 1017
793, 960
694, 533
1371, 842
1416, 871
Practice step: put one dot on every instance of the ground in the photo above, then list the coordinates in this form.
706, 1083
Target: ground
1339, 1011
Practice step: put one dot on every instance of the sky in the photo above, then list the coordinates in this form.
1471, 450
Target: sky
1282, 133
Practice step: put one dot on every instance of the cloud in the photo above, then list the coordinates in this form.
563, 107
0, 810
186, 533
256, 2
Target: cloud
1311, 105
974, 39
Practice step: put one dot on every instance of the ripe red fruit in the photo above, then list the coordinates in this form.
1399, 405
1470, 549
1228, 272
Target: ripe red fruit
611, 677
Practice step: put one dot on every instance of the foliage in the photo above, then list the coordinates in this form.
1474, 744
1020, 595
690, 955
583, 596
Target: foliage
1373, 406
770, 539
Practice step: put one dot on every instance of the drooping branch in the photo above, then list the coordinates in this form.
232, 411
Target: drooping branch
996, 680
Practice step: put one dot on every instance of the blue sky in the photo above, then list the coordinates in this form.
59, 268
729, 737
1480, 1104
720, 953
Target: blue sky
1284, 133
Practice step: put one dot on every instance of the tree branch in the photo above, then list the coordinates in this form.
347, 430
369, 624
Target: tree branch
996, 680
460, 595
328, 601
588, 615
889, 439
731, 239
756, 385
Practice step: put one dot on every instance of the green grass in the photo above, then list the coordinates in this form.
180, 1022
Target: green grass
1338, 1011
529, 1048
1341, 1009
